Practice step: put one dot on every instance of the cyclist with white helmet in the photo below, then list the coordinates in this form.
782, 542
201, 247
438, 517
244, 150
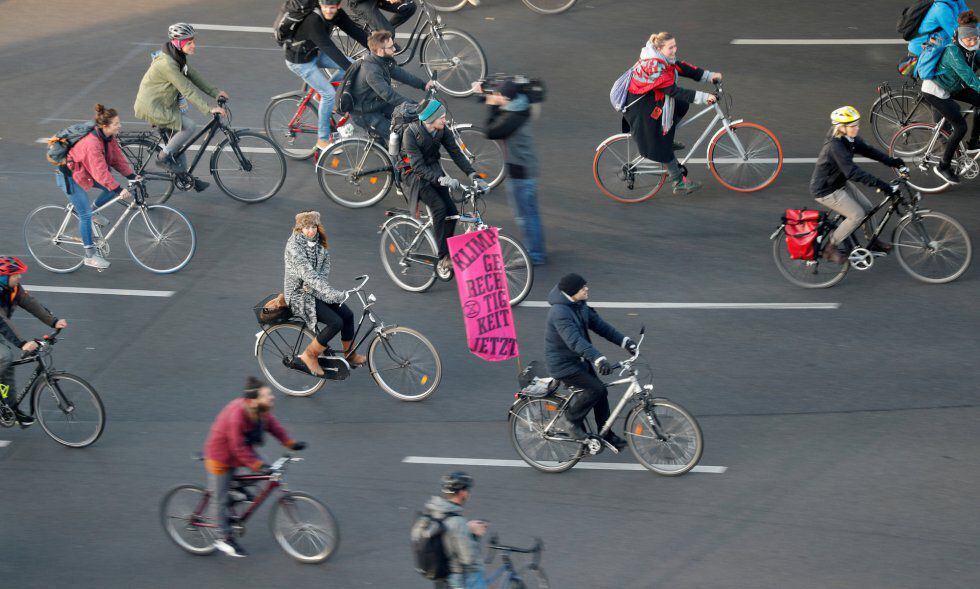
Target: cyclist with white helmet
168, 86
835, 178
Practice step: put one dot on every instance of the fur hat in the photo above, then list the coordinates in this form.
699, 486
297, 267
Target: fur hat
307, 218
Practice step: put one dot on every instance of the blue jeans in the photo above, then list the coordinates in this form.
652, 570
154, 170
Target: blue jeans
473, 580
313, 75
79, 199
523, 194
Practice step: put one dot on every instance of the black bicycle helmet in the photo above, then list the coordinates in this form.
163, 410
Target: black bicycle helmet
455, 482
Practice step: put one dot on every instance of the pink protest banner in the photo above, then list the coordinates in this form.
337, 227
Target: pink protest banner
482, 285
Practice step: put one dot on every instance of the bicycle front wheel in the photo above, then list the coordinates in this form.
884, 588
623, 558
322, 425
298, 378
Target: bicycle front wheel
622, 174
549, 6
893, 111
304, 528
295, 131
52, 238
517, 268
355, 173
405, 364
160, 239
916, 145
816, 273
248, 167
412, 268
528, 421
666, 439
486, 155
456, 59
746, 157
932, 247
141, 153
275, 350
182, 511
69, 410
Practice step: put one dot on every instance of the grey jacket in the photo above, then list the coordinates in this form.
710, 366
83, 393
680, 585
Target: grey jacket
307, 278
511, 123
371, 86
462, 547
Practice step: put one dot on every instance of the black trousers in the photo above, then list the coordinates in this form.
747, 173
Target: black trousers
441, 204
369, 11
337, 318
594, 396
950, 108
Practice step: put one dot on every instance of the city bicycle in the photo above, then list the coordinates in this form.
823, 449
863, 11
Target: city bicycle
67, 407
663, 436
402, 361
506, 576
359, 172
292, 121
247, 166
922, 146
454, 57
539, 6
159, 238
302, 525
408, 246
742, 156
895, 109
930, 246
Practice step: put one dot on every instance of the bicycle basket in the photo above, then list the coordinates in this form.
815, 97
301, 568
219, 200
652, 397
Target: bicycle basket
272, 309
801, 228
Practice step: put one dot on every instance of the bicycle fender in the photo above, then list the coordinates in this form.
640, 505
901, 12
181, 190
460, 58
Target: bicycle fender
390, 220
776, 232
257, 336
293, 94
612, 138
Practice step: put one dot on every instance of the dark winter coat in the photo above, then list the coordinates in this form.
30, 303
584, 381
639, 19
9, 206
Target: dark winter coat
567, 345
18, 297
371, 86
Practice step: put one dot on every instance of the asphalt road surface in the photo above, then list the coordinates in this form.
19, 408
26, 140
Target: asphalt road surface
849, 433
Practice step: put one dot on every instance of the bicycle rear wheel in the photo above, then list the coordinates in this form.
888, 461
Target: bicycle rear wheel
295, 132
351, 48
666, 440
405, 364
517, 268
932, 247
183, 507
893, 111
355, 173
549, 6
528, 421
622, 174
276, 348
486, 155
304, 528
160, 239
753, 167
251, 169
457, 60
52, 238
407, 268
69, 410
817, 273
911, 143
141, 153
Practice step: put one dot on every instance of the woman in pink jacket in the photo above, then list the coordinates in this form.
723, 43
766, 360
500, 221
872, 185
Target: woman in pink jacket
89, 161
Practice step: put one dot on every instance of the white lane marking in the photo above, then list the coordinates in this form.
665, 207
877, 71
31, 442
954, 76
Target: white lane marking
266, 30
818, 42
4, 443
753, 306
522, 464
96, 83
102, 291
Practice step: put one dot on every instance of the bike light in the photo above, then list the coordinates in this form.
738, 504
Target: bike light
372, 298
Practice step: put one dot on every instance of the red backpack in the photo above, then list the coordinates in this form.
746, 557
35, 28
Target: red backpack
801, 232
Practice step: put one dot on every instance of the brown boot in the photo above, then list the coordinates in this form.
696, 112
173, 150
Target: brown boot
833, 255
353, 359
310, 355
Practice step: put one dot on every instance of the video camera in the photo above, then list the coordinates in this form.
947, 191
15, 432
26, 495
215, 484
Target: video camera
533, 88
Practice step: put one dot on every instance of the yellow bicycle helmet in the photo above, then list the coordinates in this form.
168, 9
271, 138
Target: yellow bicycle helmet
845, 115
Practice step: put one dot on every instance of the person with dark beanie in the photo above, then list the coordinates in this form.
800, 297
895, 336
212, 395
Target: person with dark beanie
573, 359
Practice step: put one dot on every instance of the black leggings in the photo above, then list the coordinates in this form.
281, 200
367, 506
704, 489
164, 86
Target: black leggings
441, 204
950, 108
336, 317
370, 12
593, 396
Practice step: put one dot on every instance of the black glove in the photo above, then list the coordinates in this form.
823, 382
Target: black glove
630, 346
898, 163
299, 446
602, 366
893, 190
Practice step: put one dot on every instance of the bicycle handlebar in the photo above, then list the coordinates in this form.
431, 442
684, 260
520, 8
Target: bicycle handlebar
364, 279
49, 339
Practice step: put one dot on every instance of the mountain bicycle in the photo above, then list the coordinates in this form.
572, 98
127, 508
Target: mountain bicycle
930, 246
159, 237
452, 55
402, 361
663, 436
67, 407
408, 248
742, 156
922, 145
506, 576
358, 172
247, 166
539, 6
292, 121
895, 109
302, 525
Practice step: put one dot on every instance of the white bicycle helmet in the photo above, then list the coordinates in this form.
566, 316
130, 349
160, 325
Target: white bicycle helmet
180, 31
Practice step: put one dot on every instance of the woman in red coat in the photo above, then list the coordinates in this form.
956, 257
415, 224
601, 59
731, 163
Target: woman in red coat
89, 161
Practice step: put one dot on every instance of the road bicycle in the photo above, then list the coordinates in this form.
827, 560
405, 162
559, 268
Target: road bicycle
292, 121
247, 166
67, 407
895, 109
302, 525
402, 361
922, 146
506, 576
358, 172
408, 246
539, 6
930, 246
663, 436
742, 156
159, 237
454, 57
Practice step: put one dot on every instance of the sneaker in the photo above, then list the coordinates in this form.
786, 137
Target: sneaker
677, 146
24, 419
444, 269
100, 220
685, 186
96, 261
617, 442
200, 185
574, 430
946, 173
168, 162
230, 547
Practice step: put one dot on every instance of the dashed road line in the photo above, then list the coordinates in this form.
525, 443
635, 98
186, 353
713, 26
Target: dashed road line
729, 306
4, 443
818, 42
522, 464
102, 291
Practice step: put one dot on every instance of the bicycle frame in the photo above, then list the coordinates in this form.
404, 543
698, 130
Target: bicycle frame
473, 221
40, 375
138, 204
275, 482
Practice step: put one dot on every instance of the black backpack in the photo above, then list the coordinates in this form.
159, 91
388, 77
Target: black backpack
912, 17
344, 99
404, 115
290, 15
431, 560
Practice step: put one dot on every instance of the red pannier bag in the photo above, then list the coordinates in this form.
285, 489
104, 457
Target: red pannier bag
801, 232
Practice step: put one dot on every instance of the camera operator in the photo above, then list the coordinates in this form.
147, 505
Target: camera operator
509, 120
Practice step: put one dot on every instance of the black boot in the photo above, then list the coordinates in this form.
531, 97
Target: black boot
617, 442
200, 185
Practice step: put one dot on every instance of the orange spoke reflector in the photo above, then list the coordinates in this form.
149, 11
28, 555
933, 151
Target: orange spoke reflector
551, 407
462, 145
374, 180
391, 248
483, 175
334, 162
425, 379
638, 430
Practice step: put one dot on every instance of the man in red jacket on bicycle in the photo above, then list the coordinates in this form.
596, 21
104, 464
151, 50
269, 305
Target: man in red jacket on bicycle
239, 426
